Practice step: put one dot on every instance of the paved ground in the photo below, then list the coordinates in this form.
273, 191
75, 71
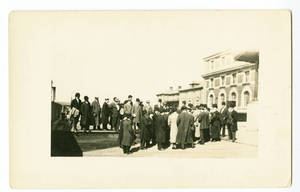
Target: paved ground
245, 147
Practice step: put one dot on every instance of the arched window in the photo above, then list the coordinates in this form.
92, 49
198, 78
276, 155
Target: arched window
246, 98
233, 96
211, 100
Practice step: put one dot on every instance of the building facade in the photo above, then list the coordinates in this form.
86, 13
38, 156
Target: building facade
231, 76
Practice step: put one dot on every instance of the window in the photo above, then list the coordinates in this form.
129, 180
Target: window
240, 78
246, 98
228, 80
233, 78
223, 80
247, 76
217, 82
233, 96
207, 84
212, 64
211, 82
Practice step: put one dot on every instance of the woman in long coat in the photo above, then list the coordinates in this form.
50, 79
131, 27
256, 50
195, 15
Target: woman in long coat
172, 122
215, 124
145, 127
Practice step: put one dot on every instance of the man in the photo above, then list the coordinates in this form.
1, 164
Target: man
224, 114
160, 126
185, 121
96, 113
172, 122
196, 114
85, 110
128, 106
204, 121
148, 107
75, 112
105, 114
160, 105
136, 114
114, 107
232, 121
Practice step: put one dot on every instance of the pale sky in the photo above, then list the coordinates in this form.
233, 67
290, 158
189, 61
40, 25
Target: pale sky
139, 53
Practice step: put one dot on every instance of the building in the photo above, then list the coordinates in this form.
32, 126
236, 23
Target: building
231, 76
194, 94
53, 91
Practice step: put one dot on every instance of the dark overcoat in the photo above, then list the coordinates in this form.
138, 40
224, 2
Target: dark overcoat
215, 125
160, 125
128, 133
204, 120
185, 122
105, 113
145, 127
232, 120
85, 110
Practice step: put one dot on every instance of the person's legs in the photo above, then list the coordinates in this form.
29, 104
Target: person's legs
233, 136
229, 132
201, 136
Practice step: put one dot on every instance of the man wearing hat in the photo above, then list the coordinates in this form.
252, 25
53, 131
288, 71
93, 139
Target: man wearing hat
105, 114
96, 113
203, 119
85, 110
185, 122
224, 113
75, 113
215, 123
114, 108
128, 106
232, 121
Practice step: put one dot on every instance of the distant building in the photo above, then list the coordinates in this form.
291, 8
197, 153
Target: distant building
231, 76
194, 94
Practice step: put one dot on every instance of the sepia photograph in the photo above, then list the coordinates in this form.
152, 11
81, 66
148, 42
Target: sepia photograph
150, 99
212, 116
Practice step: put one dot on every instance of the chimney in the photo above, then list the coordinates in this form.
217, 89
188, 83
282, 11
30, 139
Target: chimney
171, 88
179, 87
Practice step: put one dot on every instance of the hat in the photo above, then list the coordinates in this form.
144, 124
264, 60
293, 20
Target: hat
223, 103
106, 99
129, 96
147, 101
215, 106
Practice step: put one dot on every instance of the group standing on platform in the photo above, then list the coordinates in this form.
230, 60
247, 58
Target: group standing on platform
162, 125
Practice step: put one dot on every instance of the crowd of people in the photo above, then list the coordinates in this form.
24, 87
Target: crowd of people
161, 125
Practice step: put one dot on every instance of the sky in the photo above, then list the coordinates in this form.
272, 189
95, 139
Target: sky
108, 54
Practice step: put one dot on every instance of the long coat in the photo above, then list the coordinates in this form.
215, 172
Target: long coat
172, 122
185, 122
160, 126
224, 115
105, 113
76, 104
145, 126
128, 134
85, 110
96, 110
128, 108
215, 125
203, 120
232, 120
136, 111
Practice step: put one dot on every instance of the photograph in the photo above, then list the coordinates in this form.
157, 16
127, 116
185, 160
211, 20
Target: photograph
139, 87
131, 99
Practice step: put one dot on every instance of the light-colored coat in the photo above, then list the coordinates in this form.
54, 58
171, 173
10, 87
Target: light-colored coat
172, 122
